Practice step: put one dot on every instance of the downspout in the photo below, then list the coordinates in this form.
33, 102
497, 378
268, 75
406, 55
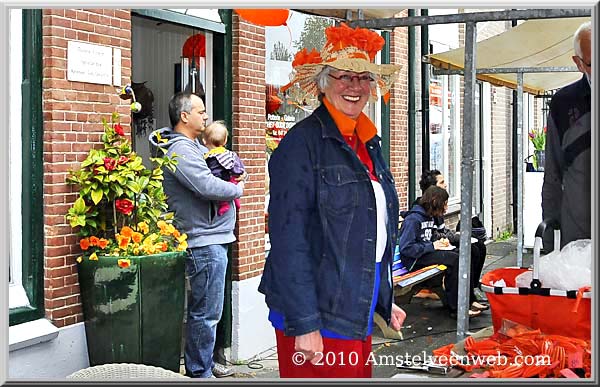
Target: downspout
412, 43
385, 107
425, 163
515, 161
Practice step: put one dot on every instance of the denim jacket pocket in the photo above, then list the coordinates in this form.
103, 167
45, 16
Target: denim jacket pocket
339, 188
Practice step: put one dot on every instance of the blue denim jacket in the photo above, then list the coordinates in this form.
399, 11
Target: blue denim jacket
320, 272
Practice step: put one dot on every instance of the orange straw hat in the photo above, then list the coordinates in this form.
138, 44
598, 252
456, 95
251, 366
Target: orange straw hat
346, 49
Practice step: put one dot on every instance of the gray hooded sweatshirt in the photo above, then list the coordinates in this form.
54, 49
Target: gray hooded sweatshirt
193, 193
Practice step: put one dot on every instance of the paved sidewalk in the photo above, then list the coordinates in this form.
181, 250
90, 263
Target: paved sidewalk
428, 326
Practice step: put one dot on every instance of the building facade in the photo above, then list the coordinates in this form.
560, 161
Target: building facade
59, 115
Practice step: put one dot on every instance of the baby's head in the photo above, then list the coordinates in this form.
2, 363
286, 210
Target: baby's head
215, 134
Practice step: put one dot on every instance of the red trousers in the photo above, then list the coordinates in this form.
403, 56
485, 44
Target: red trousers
341, 359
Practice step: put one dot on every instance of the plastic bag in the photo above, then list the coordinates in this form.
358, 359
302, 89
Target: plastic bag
569, 268
523, 280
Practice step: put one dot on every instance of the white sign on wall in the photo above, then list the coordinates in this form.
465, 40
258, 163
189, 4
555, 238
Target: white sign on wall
90, 63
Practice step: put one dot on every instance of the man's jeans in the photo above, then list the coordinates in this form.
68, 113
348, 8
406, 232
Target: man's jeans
205, 267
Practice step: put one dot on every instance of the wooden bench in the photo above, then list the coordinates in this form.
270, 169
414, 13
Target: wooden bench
406, 286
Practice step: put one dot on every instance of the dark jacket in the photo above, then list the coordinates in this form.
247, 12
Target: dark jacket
441, 230
566, 192
416, 235
320, 272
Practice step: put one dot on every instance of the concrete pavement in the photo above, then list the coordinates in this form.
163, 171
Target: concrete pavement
427, 327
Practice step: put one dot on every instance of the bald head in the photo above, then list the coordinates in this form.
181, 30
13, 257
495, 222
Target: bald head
582, 44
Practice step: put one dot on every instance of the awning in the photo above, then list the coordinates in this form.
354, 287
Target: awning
534, 43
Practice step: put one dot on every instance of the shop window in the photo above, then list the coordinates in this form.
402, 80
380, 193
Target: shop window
26, 172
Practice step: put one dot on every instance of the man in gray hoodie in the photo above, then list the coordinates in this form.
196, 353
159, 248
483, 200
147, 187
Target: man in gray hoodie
194, 193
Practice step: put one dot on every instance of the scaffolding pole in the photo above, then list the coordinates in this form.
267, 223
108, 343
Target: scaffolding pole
466, 183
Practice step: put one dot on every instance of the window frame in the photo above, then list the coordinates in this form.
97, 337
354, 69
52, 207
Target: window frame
31, 198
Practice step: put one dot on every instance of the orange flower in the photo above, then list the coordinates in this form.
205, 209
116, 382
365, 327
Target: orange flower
123, 242
364, 39
176, 233
94, 240
164, 246
124, 263
102, 243
304, 57
136, 237
84, 244
126, 231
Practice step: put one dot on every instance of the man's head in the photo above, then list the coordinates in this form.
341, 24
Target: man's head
582, 43
187, 114
431, 178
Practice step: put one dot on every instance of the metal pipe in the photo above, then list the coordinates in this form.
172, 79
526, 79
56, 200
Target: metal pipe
466, 183
425, 160
510, 70
472, 17
519, 140
412, 44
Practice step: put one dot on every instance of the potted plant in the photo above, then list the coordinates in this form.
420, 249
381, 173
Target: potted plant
131, 271
538, 139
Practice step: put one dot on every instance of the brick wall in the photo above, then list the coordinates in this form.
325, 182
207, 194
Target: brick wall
249, 123
399, 113
72, 113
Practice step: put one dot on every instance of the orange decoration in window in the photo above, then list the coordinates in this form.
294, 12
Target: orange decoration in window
265, 17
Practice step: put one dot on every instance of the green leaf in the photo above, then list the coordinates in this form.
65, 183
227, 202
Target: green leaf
79, 206
97, 195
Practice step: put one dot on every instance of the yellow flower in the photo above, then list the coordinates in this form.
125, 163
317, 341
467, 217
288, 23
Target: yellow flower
79, 259
143, 227
170, 229
182, 246
93, 257
182, 238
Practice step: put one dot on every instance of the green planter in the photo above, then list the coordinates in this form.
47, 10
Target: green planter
134, 314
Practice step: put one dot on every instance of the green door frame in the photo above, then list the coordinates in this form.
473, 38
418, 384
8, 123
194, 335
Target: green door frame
32, 171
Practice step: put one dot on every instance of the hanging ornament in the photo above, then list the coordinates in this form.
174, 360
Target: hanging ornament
194, 47
265, 17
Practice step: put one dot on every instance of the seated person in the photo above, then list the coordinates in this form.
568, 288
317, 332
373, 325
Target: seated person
418, 249
478, 249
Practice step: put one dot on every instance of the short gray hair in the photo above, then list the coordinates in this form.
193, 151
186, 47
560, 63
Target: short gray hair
179, 103
584, 28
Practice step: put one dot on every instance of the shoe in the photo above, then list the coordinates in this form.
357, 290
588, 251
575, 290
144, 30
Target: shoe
426, 293
479, 306
472, 313
220, 371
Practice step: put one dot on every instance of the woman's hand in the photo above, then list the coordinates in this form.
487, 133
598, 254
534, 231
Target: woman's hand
309, 344
398, 317
441, 244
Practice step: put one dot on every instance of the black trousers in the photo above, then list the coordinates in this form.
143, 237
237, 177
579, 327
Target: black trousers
450, 259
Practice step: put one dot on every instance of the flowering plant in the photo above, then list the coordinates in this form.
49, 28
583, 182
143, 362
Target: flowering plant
121, 209
538, 138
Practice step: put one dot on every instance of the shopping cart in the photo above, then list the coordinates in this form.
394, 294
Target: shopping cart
552, 311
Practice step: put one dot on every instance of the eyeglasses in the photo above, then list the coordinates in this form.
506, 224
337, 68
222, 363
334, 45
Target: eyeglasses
584, 62
348, 79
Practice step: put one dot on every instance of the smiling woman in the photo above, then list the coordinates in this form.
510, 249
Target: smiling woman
348, 196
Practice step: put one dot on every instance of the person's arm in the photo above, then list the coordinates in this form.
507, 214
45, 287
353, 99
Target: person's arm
293, 216
410, 244
194, 174
552, 186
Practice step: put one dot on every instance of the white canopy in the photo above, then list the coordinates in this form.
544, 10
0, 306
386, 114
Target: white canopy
534, 43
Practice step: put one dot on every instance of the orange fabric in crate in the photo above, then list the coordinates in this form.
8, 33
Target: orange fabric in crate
550, 314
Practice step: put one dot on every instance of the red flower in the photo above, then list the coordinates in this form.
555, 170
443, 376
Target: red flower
119, 130
110, 163
124, 206
123, 160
